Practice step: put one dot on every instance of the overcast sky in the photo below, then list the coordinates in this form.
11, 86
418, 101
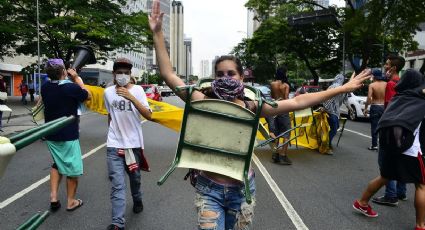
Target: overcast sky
216, 27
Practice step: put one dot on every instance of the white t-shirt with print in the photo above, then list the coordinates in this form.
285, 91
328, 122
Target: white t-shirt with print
125, 129
415, 149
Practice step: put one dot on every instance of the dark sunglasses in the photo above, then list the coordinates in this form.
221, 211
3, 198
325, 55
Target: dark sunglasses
229, 73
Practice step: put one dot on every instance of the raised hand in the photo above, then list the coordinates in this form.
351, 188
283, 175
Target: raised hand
357, 81
155, 18
123, 92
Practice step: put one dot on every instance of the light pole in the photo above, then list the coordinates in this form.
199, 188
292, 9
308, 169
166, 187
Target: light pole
38, 49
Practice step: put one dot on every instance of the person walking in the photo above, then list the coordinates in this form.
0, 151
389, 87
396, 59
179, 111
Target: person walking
63, 100
332, 107
219, 202
394, 190
31, 90
402, 139
375, 98
125, 103
280, 123
23, 88
3, 88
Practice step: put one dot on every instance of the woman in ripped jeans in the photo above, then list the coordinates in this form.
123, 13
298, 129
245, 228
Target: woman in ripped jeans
220, 200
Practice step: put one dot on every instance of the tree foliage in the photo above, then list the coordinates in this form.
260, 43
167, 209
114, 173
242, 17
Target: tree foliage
318, 46
101, 24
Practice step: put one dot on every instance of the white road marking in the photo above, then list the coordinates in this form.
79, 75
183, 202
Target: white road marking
361, 134
44, 180
292, 214
40, 182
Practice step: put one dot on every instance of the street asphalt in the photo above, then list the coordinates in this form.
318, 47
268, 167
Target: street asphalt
316, 192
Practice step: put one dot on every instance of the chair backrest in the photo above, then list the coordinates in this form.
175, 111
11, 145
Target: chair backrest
218, 136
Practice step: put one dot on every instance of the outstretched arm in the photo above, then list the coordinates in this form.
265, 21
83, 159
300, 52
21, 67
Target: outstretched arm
165, 68
310, 99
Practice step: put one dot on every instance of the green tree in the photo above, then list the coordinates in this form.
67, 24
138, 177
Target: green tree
99, 23
374, 29
277, 41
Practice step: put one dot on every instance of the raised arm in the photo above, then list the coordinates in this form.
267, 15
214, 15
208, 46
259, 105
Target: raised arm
310, 99
165, 68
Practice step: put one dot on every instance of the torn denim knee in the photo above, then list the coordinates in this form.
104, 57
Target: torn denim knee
245, 216
207, 219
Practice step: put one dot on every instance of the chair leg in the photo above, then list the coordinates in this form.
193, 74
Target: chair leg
306, 135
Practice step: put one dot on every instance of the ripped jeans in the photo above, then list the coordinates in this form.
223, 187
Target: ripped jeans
223, 207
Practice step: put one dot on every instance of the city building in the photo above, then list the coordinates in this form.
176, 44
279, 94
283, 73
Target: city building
188, 57
150, 53
139, 59
177, 53
204, 69
252, 23
416, 59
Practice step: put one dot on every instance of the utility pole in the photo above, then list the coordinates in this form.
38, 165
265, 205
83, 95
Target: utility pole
38, 49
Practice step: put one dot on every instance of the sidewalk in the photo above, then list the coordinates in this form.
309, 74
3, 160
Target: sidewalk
20, 118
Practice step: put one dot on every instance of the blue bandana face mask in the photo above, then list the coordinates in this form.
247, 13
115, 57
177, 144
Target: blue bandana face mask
227, 88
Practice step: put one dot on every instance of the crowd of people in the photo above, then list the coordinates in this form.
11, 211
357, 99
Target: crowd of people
218, 201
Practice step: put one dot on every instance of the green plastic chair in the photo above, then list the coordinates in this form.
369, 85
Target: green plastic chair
217, 136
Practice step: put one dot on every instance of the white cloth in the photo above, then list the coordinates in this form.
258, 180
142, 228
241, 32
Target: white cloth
125, 129
415, 149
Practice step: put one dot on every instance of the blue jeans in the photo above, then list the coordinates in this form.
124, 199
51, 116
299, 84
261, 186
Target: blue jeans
393, 189
24, 98
227, 202
333, 121
116, 172
376, 112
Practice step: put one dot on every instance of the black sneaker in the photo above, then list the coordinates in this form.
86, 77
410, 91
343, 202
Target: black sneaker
282, 160
137, 206
373, 148
114, 227
275, 157
402, 197
385, 201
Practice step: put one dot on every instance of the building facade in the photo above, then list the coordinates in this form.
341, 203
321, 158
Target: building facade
204, 69
177, 49
188, 57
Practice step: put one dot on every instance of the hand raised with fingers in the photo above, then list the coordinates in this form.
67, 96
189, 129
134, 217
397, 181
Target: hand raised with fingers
357, 81
123, 92
155, 18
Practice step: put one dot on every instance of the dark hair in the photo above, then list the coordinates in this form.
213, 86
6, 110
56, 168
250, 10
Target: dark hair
229, 58
281, 74
54, 72
397, 61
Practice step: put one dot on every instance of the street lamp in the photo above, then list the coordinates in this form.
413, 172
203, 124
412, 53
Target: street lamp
38, 49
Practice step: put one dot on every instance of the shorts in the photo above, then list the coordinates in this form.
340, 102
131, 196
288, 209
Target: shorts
67, 157
280, 124
403, 168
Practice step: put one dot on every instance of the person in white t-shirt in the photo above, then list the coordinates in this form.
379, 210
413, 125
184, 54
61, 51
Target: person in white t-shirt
126, 104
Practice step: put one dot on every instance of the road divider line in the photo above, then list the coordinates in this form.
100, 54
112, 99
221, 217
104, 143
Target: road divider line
40, 182
361, 134
44, 180
292, 214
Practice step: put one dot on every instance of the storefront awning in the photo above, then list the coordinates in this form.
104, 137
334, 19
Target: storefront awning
10, 67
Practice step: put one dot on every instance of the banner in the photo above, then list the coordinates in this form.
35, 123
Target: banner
171, 117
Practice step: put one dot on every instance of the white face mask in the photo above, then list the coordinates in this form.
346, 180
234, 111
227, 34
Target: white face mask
122, 79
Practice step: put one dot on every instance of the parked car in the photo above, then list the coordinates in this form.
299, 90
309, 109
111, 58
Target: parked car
307, 89
354, 103
165, 91
265, 91
152, 92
